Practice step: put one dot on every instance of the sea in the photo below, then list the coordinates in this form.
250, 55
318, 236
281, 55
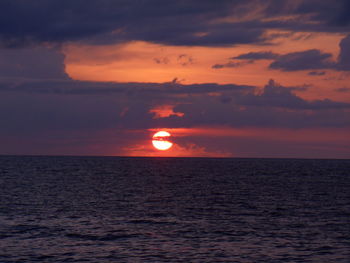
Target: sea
124, 209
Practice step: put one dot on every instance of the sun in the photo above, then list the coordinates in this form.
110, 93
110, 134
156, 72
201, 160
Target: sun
161, 141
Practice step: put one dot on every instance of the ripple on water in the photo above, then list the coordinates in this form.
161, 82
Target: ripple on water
87, 209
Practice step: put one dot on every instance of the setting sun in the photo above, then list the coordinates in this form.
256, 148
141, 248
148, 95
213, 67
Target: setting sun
160, 141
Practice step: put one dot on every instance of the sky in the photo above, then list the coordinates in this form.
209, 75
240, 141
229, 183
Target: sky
227, 78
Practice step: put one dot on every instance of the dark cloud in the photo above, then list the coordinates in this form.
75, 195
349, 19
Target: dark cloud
277, 96
300, 88
315, 59
248, 58
72, 87
257, 55
175, 22
48, 106
232, 64
190, 22
344, 55
342, 90
275, 107
316, 73
76, 117
334, 13
34, 63
343, 17
311, 59
304, 60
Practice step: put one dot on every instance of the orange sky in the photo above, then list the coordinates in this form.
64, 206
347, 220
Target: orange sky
146, 62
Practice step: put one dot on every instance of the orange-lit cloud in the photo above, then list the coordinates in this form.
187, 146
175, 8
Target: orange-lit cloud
163, 111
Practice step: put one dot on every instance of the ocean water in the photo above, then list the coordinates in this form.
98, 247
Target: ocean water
112, 209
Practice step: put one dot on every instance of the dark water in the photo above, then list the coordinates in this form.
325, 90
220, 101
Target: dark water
87, 209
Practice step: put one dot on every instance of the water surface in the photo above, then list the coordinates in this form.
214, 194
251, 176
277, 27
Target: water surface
110, 209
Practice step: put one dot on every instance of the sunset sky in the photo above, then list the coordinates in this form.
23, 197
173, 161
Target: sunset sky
227, 78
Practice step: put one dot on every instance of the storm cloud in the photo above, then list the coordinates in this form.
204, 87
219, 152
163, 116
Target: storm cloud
190, 22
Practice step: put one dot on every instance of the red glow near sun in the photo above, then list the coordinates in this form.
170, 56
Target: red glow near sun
161, 141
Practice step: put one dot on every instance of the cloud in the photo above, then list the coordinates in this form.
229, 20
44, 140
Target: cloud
276, 106
33, 63
73, 87
175, 22
192, 22
294, 61
312, 59
245, 59
344, 55
304, 60
276, 95
60, 116
342, 90
257, 55
316, 73
343, 18
232, 64
38, 106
